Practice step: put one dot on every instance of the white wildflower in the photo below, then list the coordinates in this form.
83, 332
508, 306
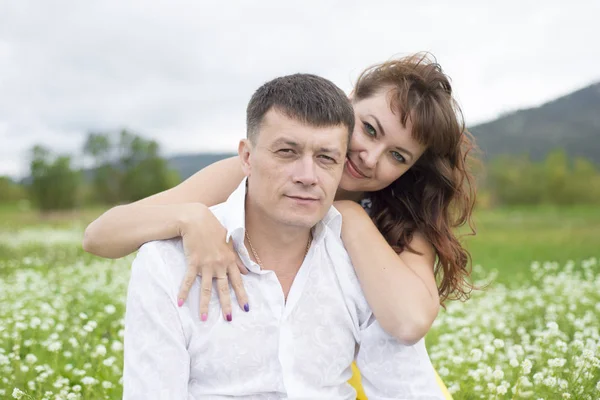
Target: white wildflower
116, 346
556, 362
526, 365
498, 374
54, 346
31, 358
476, 355
88, 380
550, 381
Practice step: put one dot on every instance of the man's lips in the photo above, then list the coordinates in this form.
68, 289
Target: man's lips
353, 169
304, 198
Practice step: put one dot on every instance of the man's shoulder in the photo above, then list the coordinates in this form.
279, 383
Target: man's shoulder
164, 252
220, 211
162, 246
346, 274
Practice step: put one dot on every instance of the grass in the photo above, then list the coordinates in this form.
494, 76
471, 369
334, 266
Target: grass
61, 316
509, 240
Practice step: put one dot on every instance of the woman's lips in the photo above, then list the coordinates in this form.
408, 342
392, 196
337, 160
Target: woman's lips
353, 170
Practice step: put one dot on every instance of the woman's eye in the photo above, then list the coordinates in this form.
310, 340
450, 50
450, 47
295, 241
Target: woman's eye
369, 129
398, 157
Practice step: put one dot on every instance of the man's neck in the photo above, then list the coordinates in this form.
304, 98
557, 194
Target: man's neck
280, 248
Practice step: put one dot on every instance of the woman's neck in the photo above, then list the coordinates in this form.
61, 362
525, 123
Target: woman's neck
342, 194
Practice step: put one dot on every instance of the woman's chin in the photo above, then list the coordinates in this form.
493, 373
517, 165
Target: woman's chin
351, 184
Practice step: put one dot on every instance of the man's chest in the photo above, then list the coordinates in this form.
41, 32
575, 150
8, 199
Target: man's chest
310, 339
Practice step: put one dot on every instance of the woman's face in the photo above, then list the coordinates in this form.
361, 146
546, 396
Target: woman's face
381, 149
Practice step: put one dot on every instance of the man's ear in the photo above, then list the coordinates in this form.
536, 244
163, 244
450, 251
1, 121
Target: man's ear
244, 151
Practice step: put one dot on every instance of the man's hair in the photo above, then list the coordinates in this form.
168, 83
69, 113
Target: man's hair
306, 98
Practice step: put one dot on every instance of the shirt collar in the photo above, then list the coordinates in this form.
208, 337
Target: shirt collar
234, 218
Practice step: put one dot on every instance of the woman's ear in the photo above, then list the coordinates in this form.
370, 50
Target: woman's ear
244, 152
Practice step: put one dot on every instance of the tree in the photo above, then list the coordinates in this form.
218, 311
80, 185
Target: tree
10, 191
106, 176
127, 167
54, 182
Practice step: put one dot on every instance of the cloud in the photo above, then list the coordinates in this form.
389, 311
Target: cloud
183, 71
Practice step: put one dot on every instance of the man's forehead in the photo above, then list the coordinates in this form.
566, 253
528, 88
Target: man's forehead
307, 139
280, 129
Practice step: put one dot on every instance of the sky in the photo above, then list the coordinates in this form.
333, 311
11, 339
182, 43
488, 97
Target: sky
182, 72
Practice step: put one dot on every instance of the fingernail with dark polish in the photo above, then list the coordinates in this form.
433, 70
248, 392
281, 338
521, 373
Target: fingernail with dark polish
228, 316
246, 307
204, 317
179, 302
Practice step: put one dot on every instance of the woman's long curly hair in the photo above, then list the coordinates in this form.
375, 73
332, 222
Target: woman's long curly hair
437, 194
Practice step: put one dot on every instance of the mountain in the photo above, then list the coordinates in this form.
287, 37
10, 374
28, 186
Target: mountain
571, 122
188, 164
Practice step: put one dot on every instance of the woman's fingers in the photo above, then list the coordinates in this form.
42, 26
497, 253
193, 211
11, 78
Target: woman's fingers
240, 265
188, 281
235, 278
224, 296
205, 293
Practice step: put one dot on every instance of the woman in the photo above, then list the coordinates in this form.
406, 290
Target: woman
407, 165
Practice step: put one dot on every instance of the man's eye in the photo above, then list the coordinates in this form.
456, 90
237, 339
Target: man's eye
398, 157
369, 129
328, 159
285, 151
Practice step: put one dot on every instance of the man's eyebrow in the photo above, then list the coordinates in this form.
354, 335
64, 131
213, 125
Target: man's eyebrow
285, 141
402, 149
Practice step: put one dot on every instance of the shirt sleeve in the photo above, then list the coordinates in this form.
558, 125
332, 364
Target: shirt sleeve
391, 370
157, 362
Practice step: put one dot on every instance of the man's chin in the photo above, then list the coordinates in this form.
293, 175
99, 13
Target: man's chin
300, 221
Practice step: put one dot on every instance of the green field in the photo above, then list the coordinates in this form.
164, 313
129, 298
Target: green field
533, 333
509, 240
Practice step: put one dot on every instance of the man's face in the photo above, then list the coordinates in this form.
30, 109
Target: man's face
293, 169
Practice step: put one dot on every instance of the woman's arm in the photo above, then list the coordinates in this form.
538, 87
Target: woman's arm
123, 229
400, 288
181, 211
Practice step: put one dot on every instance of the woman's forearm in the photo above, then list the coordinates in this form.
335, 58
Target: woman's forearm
400, 289
123, 229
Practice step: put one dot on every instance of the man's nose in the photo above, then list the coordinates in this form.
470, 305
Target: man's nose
305, 171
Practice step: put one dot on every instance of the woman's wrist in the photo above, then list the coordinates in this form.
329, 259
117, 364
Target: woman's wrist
187, 214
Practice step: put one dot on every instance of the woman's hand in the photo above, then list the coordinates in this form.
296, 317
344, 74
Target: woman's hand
209, 255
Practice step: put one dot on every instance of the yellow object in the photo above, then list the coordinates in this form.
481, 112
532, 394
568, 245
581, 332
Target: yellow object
360, 393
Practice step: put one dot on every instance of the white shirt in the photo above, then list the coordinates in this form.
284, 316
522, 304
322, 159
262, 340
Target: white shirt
300, 349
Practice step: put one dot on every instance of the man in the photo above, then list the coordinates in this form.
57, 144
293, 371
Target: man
309, 319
